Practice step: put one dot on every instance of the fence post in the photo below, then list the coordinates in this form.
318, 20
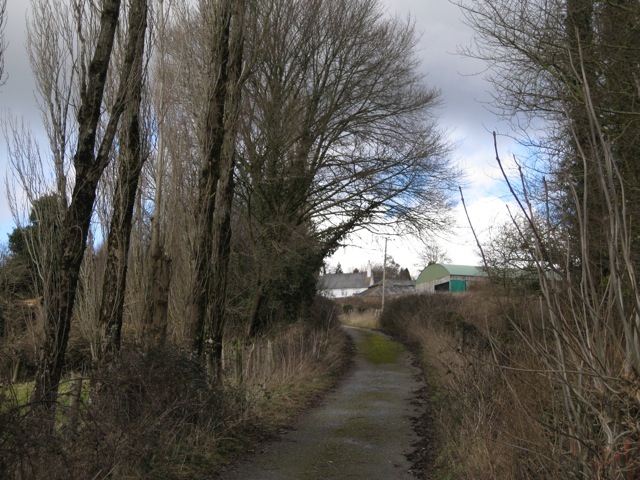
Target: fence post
74, 405
270, 359
238, 362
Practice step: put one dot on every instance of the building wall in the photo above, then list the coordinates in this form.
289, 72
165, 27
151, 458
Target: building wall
457, 283
429, 287
457, 286
342, 292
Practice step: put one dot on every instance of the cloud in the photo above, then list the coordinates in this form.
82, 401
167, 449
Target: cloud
469, 125
16, 95
464, 116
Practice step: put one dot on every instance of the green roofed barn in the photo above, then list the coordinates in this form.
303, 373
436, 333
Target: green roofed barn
442, 277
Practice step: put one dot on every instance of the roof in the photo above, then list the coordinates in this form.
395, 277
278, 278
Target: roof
340, 281
392, 287
441, 270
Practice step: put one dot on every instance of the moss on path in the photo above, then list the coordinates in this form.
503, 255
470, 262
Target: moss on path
362, 430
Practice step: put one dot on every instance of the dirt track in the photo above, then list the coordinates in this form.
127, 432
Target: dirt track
363, 430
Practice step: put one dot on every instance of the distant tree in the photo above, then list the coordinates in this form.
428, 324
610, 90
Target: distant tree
510, 256
404, 274
432, 252
18, 271
29, 243
392, 271
338, 268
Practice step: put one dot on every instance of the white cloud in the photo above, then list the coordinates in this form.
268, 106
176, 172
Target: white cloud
469, 124
460, 244
463, 115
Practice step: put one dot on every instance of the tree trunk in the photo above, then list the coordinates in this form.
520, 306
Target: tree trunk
221, 252
211, 140
130, 165
156, 311
69, 246
216, 197
256, 320
226, 185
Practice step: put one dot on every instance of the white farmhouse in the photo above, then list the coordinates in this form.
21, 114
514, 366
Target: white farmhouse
340, 285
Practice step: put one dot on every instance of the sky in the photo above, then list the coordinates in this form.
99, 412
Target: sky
469, 124
464, 117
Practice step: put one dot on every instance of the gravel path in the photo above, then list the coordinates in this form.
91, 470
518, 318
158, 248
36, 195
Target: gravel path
363, 430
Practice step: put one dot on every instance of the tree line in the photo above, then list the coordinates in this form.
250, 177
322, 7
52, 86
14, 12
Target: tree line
567, 74
203, 159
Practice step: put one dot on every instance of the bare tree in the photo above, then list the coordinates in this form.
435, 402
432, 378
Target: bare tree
57, 67
432, 252
55, 61
159, 262
217, 143
167, 233
338, 134
589, 346
574, 64
531, 49
130, 162
92, 155
389, 270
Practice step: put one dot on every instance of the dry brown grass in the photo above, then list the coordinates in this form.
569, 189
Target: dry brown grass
361, 312
477, 373
151, 414
367, 319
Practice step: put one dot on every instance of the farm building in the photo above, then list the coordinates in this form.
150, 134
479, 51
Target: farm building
441, 277
340, 285
394, 287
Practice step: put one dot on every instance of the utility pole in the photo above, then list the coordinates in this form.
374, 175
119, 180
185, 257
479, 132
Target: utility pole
384, 273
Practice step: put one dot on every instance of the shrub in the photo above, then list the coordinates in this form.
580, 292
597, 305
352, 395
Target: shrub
151, 414
472, 382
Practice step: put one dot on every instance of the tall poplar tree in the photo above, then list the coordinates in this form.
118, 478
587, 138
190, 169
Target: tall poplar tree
91, 157
131, 158
218, 132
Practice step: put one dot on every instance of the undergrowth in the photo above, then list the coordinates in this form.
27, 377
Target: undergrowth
151, 414
486, 411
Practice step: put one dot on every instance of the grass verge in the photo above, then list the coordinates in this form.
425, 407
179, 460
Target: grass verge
473, 429
152, 414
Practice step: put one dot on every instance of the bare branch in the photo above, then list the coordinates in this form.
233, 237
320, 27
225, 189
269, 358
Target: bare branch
3, 45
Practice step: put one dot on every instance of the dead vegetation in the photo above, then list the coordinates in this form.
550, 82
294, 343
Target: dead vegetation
361, 312
488, 406
152, 413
